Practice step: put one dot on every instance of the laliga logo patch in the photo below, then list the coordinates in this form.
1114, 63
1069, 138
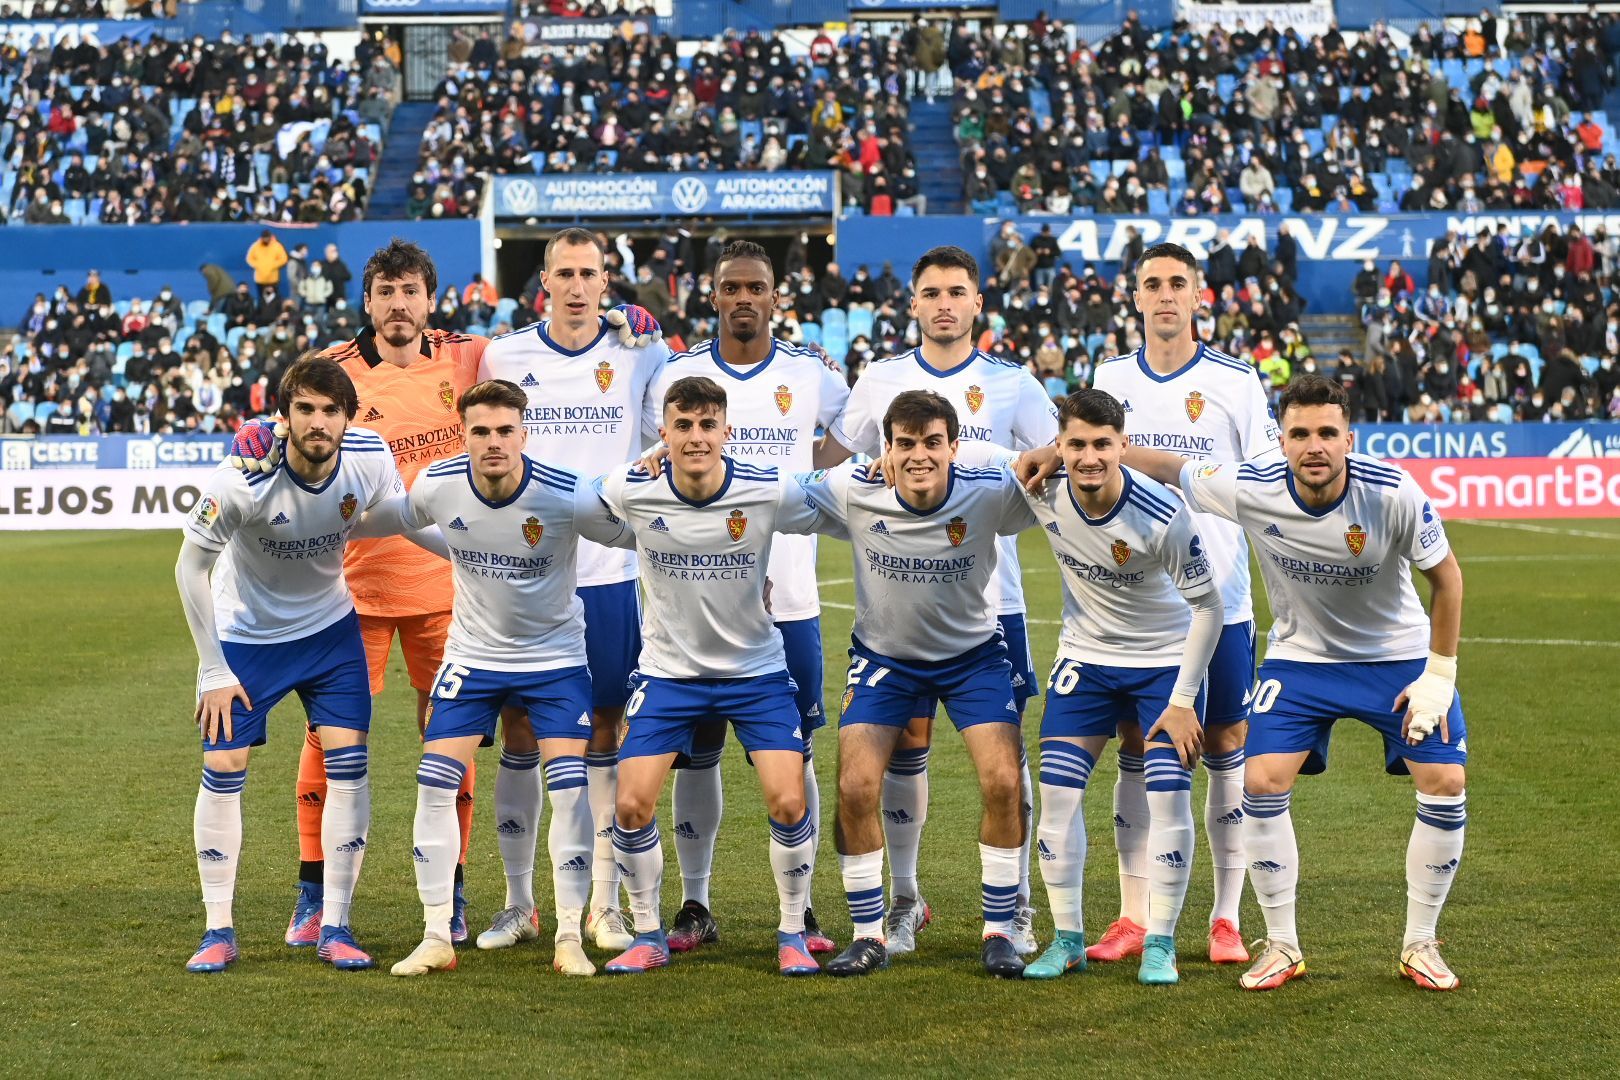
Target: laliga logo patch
784, 399
843, 706
1195, 406
956, 531
604, 376
1121, 552
1355, 538
736, 525
447, 396
346, 507
207, 512
1206, 471
532, 530
975, 398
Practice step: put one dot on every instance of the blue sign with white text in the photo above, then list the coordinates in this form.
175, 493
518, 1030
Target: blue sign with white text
1578, 440
660, 195
113, 452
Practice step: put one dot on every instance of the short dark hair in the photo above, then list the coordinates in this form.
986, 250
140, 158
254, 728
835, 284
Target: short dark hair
1092, 406
1308, 388
744, 249
948, 256
399, 258
573, 236
694, 392
316, 374
1170, 251
497, 392
914, 410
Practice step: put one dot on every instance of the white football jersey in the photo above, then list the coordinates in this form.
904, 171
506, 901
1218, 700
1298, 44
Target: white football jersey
1338, 579
588, 409
774, 408
702, 568
996, 402
1128, 575
1212, 409
515, 608
281, 575
922, 580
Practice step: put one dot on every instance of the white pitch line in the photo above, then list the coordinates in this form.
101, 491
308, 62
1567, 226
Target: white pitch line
1523, 527
1534, 558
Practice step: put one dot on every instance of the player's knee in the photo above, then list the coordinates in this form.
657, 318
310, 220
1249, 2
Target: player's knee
1444, 781
859, 790
1223, 738
1001, 784
1266, 782
634, 810
226, 761
786, 806
1130, 740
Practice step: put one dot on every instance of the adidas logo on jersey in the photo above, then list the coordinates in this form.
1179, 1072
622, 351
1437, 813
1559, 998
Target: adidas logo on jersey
281, 519
1231, 817
685, 831
1268, 866
658, 525
1444, 868
458, 525
1047, 854
371, 414
576, 865
899, 817
213, 855
416, 853
1272, 530
510, 827
1120, 822
1172, 859
1125, 404
802, 870
879, 528
1051, 527
353, 847
529, 380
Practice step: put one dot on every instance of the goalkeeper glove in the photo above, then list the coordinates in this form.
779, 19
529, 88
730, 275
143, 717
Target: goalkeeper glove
635, 325
1428, 698
258, 446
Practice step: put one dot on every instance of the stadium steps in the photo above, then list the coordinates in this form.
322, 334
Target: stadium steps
402, 151
939, 165
1328, 334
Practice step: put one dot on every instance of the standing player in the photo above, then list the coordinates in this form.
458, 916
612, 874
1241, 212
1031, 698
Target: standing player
517, 632
925, 628
589, 405
1005, 406
777, 396
1337, 534
1182, 396
1131, 564
704, 530
279, 618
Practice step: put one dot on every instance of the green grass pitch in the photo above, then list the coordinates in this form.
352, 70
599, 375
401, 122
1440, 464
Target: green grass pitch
101, 900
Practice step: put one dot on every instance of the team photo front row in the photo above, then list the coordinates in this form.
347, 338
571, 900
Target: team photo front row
1147, 653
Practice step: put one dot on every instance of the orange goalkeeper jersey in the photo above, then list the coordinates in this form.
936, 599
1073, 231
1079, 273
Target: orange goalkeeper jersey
414, 410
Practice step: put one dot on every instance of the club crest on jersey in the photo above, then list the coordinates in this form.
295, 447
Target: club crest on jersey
784, 399
604, 376
1355, 538
1195, 406
843, 706
956, 531
975, 398
736, 525
447, 396
532, 530
1121, 552
346, 507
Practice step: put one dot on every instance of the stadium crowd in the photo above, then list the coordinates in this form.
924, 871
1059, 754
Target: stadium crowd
174, 131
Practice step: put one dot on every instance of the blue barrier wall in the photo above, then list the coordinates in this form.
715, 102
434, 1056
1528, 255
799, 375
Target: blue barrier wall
1592, 439
139, 260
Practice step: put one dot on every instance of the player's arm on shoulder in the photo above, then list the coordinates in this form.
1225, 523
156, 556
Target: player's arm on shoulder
596, 522
217, 685
611, 488
825, 490
1210, 487
855, 430
803, 506
401, 513
1035, 423
1017, 514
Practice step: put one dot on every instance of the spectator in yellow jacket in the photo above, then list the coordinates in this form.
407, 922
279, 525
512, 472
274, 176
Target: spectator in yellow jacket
266, 258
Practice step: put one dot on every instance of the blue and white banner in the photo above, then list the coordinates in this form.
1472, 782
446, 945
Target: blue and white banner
112, 452
433, 7
100, 31
570, 196
540, 35
1579, 440
1306, 19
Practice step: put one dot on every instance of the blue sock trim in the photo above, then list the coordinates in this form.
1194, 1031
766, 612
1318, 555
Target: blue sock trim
520, 762
1266, 806
706, 758
1165, 772
1441, 811
1130, 763
223, 783
1065, 765
866, 905
795, 834
346, 763
1224, 762
635, 841
601, 759
909, 762
563, 773
439, 771
1000, 901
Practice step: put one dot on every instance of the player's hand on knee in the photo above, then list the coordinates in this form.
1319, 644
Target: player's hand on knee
635, 324
1034, 467
214, 711
1186, 733
1428, 699
653, 460
258, 445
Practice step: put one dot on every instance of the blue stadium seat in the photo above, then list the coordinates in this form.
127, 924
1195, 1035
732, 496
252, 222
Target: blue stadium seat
1531, 352
181, 336
905, 211
125, 350
836, 342
43, 410
1284, 198
76, 209
234, 336
860, 323
197, 310
1499, 350
19, 414
1159, 202
122, 307
504, 309
1176, 170
1591, 364
280, 191
812, 332
216, 326
1504, 413
1315, 140
835, 319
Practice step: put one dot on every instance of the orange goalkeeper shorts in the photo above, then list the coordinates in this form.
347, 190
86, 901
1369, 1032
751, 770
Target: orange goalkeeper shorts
421, 638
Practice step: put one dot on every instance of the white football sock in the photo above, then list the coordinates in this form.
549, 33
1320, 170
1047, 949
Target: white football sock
998, 882
1432, 857
863, 889
641, 855
1065, 770
905, 811
436, 839
1223, 825
569, 842
1130, 838
697, 804
1026, 813
517, 823
812, 806
1170, 839
344, 825
602, 775
216, 829
1273, 854
792, 848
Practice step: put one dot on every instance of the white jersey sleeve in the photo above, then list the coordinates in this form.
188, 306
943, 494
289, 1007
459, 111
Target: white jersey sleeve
220, 510
1210, 487
1035, 422
1181, 553
1429, 544
859, 427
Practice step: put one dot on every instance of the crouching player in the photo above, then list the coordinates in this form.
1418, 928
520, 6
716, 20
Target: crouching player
278, 618
1131, 563
517, 633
